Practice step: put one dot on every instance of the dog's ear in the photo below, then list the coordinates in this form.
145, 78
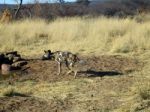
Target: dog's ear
45, 51
49, 51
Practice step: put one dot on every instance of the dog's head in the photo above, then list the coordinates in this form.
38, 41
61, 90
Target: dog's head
48, 55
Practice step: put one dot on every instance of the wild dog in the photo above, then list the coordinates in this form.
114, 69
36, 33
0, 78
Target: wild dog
61, 57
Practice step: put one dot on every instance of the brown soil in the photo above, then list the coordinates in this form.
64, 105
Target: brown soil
39, 70
93, 67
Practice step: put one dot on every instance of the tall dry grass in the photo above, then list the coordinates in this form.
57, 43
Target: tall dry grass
92, 35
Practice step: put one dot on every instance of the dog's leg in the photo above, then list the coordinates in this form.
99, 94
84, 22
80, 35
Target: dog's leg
67, 65
73, 69
59, 68
70, 70
75, 73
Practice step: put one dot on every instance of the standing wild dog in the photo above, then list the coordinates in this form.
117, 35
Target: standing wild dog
63, 57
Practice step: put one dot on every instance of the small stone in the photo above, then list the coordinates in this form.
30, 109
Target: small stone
5, 68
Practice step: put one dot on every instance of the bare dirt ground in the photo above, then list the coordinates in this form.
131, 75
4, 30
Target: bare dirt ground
39, 70
96, 68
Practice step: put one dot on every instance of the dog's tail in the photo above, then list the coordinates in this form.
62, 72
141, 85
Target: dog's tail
78, 60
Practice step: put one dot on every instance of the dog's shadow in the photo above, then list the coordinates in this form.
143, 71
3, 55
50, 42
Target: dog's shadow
12, 94
93, 73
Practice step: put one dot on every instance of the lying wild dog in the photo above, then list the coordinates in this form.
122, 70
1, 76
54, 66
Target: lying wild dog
13, 56
9, 57
63, 57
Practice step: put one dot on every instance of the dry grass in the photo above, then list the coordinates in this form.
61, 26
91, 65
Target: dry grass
6, 16
44, 90
93, 35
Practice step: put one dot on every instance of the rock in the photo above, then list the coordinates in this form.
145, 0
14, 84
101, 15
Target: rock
5, 68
